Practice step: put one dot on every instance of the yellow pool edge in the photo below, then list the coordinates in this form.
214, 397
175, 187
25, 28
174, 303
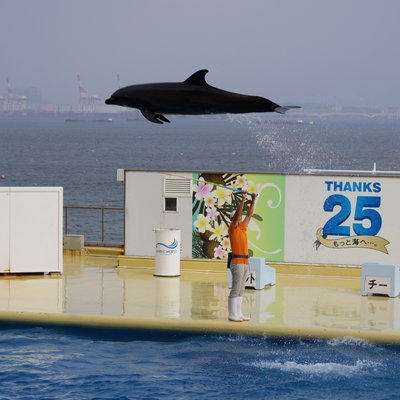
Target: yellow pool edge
205, 327
207, 265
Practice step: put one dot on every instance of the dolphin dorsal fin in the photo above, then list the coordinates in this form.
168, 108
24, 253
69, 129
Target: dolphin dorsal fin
198, 78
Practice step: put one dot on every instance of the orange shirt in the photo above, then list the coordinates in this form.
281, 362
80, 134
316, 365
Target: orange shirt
239, 244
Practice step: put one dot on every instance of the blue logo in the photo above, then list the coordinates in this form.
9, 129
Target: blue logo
171, 246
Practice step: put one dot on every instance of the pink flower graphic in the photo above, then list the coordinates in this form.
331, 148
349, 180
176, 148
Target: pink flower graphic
202, 189
212, 213
219, 252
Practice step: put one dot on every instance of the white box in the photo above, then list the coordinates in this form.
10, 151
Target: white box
381, 279
31, 226
260, 274
74, 242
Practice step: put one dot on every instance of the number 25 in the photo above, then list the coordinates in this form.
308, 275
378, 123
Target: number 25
364, 210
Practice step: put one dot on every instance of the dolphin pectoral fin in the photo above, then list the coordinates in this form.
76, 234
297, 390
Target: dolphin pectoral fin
162, 118
283, 109
154, 117
150, 116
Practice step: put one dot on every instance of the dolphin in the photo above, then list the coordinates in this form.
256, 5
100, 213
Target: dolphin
194, 96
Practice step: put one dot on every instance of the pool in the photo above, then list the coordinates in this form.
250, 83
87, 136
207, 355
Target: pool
49, 363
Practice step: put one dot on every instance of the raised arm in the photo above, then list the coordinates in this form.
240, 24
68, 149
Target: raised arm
251, 210
237, 217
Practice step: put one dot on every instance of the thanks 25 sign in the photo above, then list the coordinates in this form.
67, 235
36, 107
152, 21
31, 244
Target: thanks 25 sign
352, 227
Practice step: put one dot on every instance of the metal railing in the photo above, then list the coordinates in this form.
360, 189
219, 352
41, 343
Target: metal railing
84, 220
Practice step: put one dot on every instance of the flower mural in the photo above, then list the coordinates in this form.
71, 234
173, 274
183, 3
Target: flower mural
202, 189
215, 196
202, 223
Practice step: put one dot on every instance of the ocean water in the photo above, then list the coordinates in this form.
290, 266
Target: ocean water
83, 157
44, 363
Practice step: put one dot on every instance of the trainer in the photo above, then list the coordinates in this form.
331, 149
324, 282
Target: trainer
240, 258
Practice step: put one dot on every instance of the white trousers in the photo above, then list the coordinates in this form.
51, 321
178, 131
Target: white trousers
239, 272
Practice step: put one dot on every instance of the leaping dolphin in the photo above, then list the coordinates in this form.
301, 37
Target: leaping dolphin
194, 96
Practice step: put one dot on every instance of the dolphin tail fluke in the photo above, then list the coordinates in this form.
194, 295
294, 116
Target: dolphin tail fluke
154, 117
283, 109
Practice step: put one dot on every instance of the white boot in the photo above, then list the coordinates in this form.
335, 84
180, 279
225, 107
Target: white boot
239, 309
232, 309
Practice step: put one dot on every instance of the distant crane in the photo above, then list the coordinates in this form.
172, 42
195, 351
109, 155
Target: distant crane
10, 95
134, 113
86, 101
15, 103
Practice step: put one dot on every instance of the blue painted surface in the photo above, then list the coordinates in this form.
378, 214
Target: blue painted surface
45, 363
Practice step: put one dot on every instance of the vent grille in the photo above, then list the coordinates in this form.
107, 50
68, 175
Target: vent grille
177, 187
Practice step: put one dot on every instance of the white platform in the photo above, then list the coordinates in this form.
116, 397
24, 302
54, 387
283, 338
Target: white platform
260, 276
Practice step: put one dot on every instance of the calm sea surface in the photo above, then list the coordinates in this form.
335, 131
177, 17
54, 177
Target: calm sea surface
83, 157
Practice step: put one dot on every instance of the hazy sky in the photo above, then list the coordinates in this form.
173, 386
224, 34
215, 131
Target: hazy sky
291, 51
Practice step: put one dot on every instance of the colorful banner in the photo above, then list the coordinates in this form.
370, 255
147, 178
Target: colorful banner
300, 218
215, 198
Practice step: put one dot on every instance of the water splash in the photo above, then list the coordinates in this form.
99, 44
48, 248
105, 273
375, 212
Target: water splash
320, 368
350, 341
289, 145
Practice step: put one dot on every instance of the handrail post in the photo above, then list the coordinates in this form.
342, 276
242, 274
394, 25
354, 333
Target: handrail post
102, 224
66, 221
102, 209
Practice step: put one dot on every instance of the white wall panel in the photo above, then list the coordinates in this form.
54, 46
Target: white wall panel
36, 243
31, 229
144, 213
4, 229
346, 220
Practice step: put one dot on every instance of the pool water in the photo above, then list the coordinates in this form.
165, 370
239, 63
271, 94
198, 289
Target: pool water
46, 363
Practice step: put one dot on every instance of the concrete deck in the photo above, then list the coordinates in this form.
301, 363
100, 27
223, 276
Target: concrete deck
94, 292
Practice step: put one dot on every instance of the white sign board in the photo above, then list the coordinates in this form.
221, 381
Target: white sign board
342, 220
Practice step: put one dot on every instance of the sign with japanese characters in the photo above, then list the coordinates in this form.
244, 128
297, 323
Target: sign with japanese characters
377, 285
341, 220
